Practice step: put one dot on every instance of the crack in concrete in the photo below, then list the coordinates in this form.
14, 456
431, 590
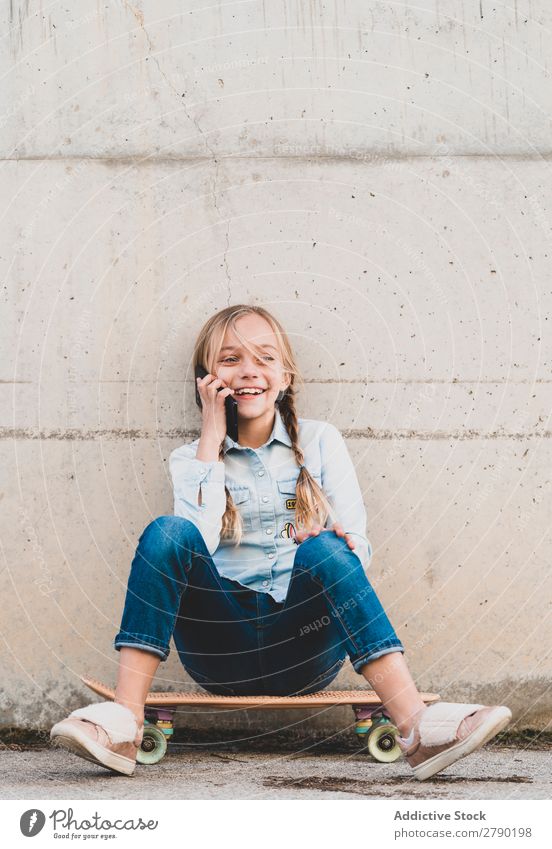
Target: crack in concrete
82, 434
331, 380
345, 784
391, 156
139, 17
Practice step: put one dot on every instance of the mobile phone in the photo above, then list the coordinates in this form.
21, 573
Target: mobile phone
230, 404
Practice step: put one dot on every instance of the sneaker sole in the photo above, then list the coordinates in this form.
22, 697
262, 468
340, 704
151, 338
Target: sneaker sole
494, 723
82, 746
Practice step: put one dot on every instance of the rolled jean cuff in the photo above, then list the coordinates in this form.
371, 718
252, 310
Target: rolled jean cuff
358, 663
138, 643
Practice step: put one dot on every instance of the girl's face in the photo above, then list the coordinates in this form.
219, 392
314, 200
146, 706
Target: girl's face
239, 368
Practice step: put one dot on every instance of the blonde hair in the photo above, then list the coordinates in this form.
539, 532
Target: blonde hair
311, 503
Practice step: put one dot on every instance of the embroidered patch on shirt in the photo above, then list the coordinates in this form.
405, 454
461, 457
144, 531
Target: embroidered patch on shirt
291, 503
288, 531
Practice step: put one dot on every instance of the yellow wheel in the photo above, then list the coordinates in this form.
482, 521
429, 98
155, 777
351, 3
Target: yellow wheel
382, 743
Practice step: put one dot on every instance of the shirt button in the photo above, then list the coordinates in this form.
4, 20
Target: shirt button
269, 530
260, 474
265, 498
271, 554
265, 583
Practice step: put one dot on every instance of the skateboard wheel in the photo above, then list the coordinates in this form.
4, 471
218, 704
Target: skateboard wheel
382, 743
154, 746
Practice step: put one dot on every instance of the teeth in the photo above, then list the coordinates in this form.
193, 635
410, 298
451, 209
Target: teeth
249, 392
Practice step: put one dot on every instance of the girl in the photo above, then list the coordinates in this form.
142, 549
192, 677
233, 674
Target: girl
259, 576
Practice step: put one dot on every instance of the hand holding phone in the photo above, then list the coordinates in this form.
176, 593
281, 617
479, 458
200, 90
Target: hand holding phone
219, 409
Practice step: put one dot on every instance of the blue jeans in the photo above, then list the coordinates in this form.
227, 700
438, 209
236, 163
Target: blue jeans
233, 640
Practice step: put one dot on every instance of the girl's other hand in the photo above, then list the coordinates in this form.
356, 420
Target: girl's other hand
301, 536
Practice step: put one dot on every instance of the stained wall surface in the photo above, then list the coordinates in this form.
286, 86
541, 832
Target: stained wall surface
378, 175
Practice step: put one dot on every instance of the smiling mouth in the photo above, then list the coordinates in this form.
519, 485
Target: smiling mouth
249, 396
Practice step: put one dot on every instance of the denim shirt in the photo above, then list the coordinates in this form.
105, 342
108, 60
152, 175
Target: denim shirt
262, 484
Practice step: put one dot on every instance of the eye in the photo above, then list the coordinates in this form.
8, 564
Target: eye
234, 359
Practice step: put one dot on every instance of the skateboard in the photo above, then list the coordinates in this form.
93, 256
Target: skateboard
372, 724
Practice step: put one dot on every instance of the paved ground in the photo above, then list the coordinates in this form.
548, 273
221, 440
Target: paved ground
280, 771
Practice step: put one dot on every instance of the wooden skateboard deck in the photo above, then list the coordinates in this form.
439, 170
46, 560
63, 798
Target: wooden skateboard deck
322, 698
372, 723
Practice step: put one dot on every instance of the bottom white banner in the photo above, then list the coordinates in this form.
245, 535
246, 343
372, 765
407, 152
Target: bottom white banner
150, 822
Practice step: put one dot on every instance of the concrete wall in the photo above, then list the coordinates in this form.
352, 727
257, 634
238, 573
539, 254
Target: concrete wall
377, 174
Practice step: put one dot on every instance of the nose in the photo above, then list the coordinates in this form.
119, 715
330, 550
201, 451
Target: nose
250, 367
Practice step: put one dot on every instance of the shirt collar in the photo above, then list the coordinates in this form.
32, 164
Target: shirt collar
279, 432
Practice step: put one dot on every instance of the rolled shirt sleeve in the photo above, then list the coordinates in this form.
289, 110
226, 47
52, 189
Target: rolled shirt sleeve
189, 476
341, 487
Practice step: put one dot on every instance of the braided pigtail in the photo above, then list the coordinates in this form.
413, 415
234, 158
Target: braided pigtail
312, 506
232, 523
